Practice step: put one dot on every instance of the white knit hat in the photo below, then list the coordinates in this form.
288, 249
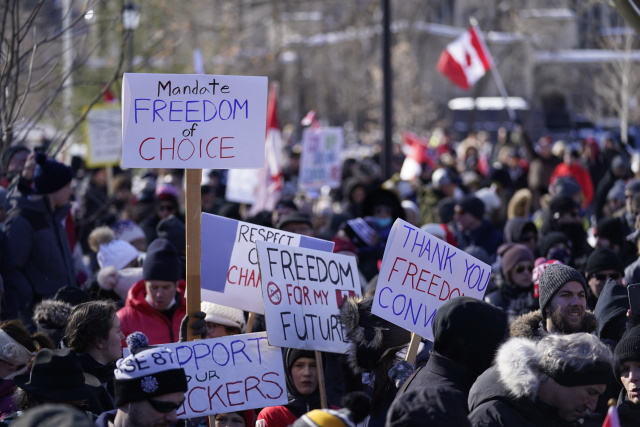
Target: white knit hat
117, 253
223, 315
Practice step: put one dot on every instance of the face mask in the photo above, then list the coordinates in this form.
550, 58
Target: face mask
560, 254
384, 222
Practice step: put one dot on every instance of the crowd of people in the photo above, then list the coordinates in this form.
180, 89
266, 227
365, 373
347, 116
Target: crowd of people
90, 258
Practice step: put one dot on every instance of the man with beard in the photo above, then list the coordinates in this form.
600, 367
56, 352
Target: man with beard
563, 306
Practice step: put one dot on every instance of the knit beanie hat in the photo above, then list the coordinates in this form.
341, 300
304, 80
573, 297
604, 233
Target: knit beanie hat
325, 418
223, 315
116, 253
628, 349
147, 372
473, 205
174, 230
50, 176
604, 259
611, 228
552, 279
551, 239
512, 254
161, 262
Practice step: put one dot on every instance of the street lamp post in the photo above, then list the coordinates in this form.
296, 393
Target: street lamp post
130, 22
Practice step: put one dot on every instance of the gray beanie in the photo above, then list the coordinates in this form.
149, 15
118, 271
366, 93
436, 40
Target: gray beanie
552, 279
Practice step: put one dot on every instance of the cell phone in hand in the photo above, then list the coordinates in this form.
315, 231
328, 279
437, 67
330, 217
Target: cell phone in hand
634, 298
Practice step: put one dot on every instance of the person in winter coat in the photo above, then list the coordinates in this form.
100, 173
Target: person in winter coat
626, 365
474, 229
563, 306
611, 311
461, 324
514, 293
431, 406
93, 332
37, 238
376, 346
602, 265
521, 230
301, 376
553, 382
156, 305
18, 350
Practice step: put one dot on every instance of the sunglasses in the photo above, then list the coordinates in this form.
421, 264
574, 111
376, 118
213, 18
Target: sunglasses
603, 276
164, 407
165, 208
528, 237
522, 268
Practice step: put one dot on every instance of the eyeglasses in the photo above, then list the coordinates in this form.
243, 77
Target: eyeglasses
522, 268
164, 407
604, 276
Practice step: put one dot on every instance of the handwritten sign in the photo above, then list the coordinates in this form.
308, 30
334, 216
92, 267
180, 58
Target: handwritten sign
104, 136
230, 373
303, 290
229, 266
193, 121
419, 273
320, 162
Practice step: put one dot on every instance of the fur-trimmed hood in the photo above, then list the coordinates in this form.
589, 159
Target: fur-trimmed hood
515, 370
372, 340
528, 325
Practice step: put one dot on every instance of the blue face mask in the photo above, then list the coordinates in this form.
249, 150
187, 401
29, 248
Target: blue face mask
384, 222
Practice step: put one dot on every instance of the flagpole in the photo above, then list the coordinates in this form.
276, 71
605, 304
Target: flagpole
498, 79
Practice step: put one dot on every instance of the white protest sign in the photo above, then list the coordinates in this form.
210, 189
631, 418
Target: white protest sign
104, 136
229, 261
230, 373
419, 273
303, 290
320, 162
193, 121
241, 185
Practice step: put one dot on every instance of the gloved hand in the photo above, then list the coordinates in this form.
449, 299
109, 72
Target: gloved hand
401, 372
199, 327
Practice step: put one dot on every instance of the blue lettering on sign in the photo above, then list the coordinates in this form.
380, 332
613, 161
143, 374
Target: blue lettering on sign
474, 275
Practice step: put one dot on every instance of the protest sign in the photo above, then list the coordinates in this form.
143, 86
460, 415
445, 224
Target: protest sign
104, 136
241, 186
229, 267
303, 290
419, 273
230, 373
193, 121
320, 162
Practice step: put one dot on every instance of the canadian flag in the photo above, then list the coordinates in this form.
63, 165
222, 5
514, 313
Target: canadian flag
416, 150
466, 59
270, 177
612, 419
